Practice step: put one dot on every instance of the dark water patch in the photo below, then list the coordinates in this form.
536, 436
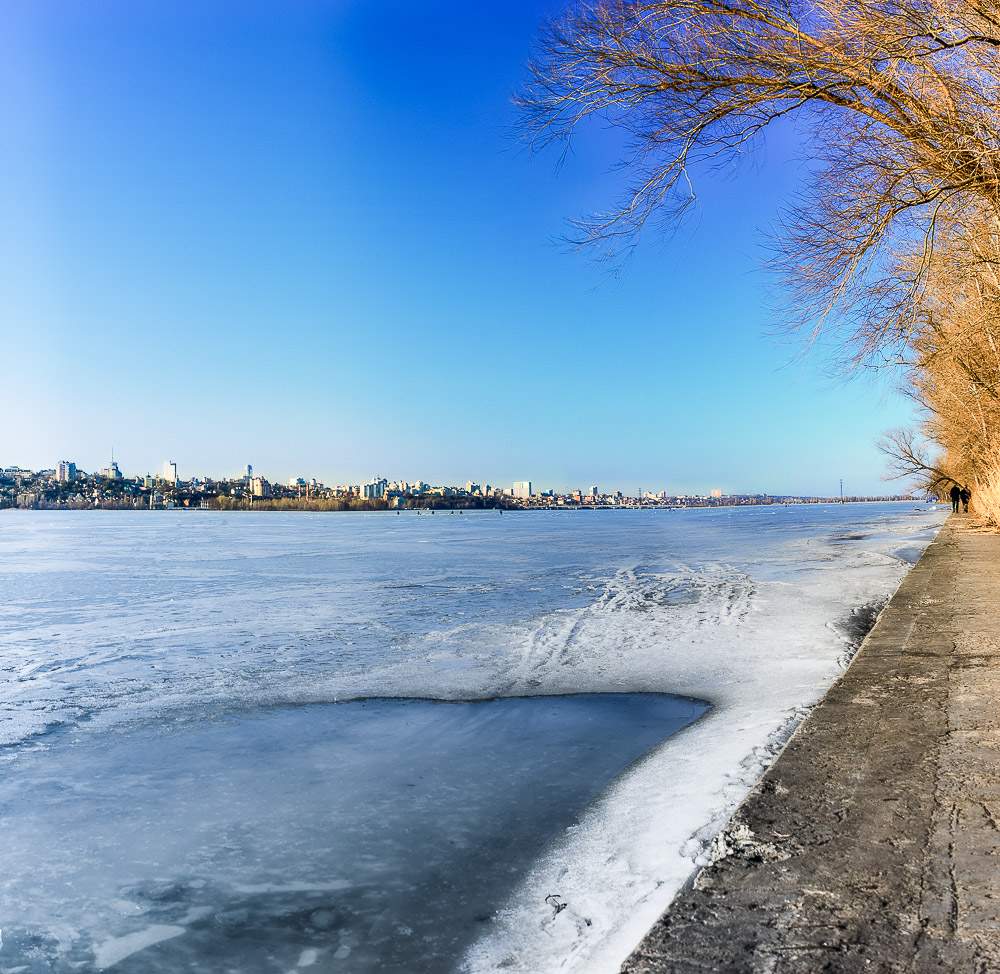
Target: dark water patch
375, 835
909, 553
859, 623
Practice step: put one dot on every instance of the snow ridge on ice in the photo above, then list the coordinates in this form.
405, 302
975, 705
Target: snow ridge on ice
117, 949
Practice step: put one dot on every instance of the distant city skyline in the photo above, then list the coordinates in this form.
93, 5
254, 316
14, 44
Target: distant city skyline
170, 470
68, 488
305, 235
239, 470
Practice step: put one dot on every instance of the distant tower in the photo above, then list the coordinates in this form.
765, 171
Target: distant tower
111, 471
170, 472
248, 473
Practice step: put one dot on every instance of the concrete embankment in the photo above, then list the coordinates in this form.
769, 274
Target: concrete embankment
873, 842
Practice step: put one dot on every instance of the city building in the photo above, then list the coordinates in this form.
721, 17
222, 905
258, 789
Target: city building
375, 490
24, 488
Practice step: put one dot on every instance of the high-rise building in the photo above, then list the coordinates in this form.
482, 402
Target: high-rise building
170, 472
376, 488
522, 489
248, 473
717, 492
66, 470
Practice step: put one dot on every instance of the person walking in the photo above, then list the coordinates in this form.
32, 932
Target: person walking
966, 496
956, 495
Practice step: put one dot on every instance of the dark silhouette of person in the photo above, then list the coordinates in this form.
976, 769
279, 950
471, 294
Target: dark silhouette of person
956, 495
966, 496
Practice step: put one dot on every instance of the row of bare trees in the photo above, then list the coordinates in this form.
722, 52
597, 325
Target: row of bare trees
893, 246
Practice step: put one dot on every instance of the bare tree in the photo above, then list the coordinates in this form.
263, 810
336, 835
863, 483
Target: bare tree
952, 359
912, 457
901, 100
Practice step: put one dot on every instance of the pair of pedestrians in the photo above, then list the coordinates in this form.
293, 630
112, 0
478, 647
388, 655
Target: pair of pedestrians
962, 494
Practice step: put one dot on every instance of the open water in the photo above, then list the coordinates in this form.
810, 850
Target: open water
415, 743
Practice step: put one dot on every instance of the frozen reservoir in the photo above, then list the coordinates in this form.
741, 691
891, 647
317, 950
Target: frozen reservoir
284, 742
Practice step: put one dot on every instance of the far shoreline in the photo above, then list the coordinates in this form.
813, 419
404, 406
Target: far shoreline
443, 506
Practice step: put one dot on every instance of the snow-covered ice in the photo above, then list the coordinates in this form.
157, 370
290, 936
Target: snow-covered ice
203, 763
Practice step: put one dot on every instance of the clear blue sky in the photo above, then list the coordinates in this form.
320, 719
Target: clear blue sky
301, 235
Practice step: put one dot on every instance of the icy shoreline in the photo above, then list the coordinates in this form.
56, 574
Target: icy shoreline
669, 839
192, 625
652, 829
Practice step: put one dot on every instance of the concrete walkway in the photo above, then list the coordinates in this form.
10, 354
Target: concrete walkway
873, 842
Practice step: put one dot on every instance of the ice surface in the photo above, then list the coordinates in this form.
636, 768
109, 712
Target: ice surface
112, 951
116, 624
301, 835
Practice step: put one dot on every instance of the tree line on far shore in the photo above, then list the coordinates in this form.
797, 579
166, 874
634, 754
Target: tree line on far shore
891, 253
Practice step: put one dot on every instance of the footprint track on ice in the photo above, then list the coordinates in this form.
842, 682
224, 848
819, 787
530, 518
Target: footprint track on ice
632, 606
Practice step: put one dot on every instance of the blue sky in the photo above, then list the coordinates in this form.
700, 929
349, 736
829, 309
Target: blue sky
301, 235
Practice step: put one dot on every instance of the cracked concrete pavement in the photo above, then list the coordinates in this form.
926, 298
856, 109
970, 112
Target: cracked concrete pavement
873, 842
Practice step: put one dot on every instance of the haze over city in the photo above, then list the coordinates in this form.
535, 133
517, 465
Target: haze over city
309, 236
